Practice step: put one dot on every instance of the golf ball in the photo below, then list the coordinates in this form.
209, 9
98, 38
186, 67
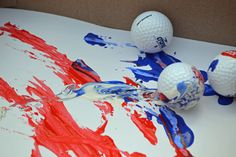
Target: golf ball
151, 31
222, 73
182, 86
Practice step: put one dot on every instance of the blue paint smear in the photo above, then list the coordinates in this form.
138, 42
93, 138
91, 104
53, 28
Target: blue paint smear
111, 89
157, 62
174, 125
182, 87
222, 100
213, 65
204, 74
144, 75
225, 100
209, 91
79, 92
94, 39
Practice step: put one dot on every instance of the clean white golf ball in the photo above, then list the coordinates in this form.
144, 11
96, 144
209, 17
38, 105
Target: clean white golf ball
182, 85
151, 31
222, 73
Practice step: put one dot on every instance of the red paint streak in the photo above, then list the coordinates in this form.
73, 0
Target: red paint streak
35, 152
231, 53
11, 96
130, 82
1, 33
180, 152
58, 131
66, 72
105, 107
145, 126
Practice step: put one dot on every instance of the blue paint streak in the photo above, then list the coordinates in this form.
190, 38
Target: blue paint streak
156, 61
174, 125
213, 65
204, 74
94, 39
79, 92
144, 75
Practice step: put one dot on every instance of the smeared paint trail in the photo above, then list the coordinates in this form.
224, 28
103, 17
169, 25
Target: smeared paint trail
179, 134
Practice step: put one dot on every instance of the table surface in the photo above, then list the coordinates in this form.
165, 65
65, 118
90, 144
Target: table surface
212, 124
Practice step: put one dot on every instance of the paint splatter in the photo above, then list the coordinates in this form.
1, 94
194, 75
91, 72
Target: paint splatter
157, 62
103, 41
58, 131
94, 39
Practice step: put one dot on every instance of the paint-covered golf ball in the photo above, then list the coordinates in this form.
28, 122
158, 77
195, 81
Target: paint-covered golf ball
151, 31
222, 73
180, 85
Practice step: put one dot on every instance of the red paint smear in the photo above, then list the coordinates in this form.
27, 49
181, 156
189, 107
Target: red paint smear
145, 126
1, 33
11, 96
130, 82
231, 53
105, 107
66, 73
180, 152
58, 131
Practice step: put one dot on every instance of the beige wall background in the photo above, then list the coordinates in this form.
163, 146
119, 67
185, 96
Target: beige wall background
207, 20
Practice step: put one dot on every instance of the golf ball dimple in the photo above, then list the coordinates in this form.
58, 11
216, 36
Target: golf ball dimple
222, 73
182, 85
151, 31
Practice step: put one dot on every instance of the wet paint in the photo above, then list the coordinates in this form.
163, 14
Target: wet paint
104, 41
66, 72
222, 100
157, 62
58, 132
213, 65
231, 53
